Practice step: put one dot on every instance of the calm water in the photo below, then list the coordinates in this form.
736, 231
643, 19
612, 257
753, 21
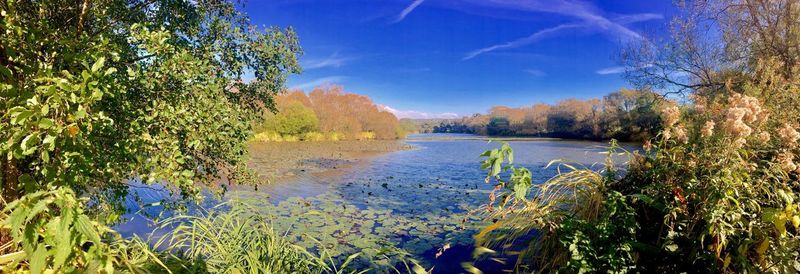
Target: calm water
418, 200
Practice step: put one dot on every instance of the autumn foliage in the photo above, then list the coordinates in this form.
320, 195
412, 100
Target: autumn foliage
329, 112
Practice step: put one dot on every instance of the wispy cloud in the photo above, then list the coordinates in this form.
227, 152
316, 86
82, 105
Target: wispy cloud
635, 18
590, 17
412, 70
336, 79
407, 10
413, 114
536, 72
611, 70
334, 61
522, 41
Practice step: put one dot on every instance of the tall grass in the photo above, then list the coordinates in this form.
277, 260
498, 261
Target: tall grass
50, 232
526, 216
233, 238
237, 241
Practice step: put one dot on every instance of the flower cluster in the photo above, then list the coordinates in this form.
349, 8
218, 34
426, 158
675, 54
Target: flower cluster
670, 117
786, 161
744, 112
708, 129
789, 135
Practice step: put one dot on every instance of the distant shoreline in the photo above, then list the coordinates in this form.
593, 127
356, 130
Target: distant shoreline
484, 138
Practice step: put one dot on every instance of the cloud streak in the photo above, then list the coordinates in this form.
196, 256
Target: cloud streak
522, 41
336, 79
413, 114
536, 72
611, 70
407, 10
590, 18
332, 61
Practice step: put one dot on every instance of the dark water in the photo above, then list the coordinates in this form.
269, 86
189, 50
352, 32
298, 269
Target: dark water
418, 200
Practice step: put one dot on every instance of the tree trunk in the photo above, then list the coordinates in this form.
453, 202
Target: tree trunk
9, 180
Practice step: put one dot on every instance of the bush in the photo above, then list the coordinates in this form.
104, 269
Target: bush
51, 231
294, 119
716, 192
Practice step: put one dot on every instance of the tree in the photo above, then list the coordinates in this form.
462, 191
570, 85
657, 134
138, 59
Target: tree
293, 119
631, 114
97, 94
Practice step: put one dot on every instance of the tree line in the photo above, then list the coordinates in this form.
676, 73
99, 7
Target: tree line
627, 114
328, 112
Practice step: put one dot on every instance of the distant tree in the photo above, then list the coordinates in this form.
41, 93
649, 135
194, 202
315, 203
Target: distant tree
332, 110
498, 126
631, 114
292, 119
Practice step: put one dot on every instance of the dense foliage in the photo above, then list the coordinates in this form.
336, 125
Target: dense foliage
329, 112
716, 191
96, 93
624, 115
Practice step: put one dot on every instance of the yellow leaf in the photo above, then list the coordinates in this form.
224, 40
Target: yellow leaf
780, 224
470, 268
726, 262
796, 221
762, 247
486, 230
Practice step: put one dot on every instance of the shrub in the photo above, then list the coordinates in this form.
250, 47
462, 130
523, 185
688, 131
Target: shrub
51, 231
313, 136
717, 191
293, 119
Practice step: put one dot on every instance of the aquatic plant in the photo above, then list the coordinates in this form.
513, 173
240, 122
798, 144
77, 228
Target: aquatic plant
235, 239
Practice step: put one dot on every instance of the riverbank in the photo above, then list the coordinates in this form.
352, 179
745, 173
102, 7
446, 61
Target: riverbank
279, 161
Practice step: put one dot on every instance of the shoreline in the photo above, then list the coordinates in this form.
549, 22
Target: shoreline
276, 162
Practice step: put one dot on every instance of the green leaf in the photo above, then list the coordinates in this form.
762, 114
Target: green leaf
39, 207
81, 113
29, 143
38, 259
49, 142
99, 64
21, 117
10, 258
63, 243
26, 180
5, 71
85, 227
46, 123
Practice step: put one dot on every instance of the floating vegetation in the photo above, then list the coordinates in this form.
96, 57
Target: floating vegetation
408, 200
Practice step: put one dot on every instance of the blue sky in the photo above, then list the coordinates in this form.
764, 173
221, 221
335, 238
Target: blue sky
440, 58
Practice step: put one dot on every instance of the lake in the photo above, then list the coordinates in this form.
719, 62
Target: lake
418, 200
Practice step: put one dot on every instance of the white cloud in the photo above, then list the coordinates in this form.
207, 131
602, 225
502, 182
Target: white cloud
590, 17
611, 70
413, 114
337, 79
536, 72
334, 61
522, 41
408, 10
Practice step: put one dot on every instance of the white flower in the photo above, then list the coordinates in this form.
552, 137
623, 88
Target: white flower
708, 129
